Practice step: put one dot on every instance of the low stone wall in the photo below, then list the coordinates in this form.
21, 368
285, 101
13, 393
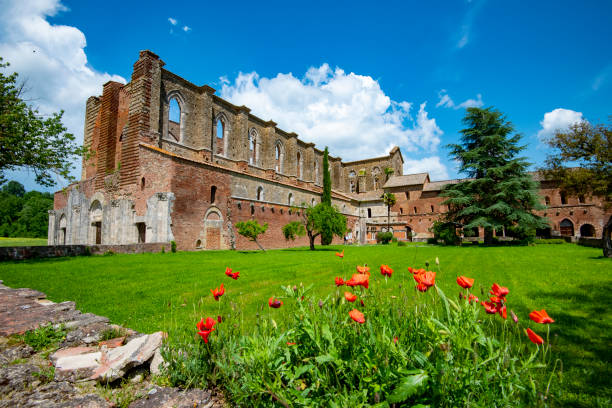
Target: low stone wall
591, 242
53, 251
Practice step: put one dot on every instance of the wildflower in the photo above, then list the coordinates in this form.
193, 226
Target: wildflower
205, 328
502, 312
465, 282
426, 278
473, 298
540, 316
437, 261
357, 316
497, 300
320, 304
514, 316
339, 281
395, 340
340, 254
534, 337
217, 293
385, 270
350, 296
422, 287
289, 343
490, 307
410, 269
219, 319
275, 303
233, 275
359, 279
228, 271
365, 270
362, 304
499, 290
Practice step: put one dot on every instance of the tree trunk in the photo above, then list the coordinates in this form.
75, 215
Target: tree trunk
488, 236
606, 242
311, 238
388, 217
259, 245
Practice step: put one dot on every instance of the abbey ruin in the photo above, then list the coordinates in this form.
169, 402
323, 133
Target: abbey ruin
154, 179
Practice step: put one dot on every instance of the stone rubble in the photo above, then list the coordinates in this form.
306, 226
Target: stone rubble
67, 377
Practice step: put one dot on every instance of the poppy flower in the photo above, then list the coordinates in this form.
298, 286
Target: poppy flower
426, 278
497, 300
205, 333
473, 298
228, 271
502, 312
490, 308
395, 339
422, 287
340, 254
357, 316
363, 270
499, 291
289, 343
465, 282
233, 275
205, 328
350, 296
534, 337
514, 316
275, 303
362, 304
540, 316
339, 281
385, 270
359, 279
410, 269
217, 293
219, 318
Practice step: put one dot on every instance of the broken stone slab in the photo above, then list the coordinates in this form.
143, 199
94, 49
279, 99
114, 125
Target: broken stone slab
70, 352
86, 319
77, 367
173, 397
116, 362
112, 343
157, 363
89, 334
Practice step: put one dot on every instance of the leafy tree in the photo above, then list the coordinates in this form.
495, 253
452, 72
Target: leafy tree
499, 192
252, 229
389, 172
446, 231
15, 188
27, 140
293, 230
320, 218
23, 215
589, 147
389, 200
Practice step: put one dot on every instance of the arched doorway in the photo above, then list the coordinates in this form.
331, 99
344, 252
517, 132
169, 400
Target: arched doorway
566, 227
587, 231
62, 231
212, 229
95, 218
408, 233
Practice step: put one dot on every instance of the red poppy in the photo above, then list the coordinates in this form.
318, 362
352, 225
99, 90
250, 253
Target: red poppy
385, 270
497, 300
426, 278
291, 343
205, 328
473, 298
465, 282
502, 312
499, 291
410, 269
540, 316
490, 308
357, 316
219, 318
359, 279
275, 303
228, 271
534, 337
339, 281
233, 275
217, 293
395, 339
340, 254
364, 270
422, 287
350, 297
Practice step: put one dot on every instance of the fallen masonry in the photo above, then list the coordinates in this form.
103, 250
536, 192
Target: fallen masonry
67, 377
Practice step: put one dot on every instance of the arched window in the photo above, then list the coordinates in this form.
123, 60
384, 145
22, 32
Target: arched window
253, 147
260, 193
62, 230
299, 165
563, 198
432, 208
220, 136
252, 209
174, 119
278, 156
587, 230
352, 186
376, 177
313, 202
566, 228
415, 210
142, 183
581, 199
401, 210
290, 199
369, 213
213, 193
547, 200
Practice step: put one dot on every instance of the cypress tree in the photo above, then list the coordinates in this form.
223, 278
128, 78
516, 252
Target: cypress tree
499, 193
326, 197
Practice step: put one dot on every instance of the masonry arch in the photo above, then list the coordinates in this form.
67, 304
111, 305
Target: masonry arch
95, 222
587, 231
408, 233
213, 224
566, 227
221, 134
61, 239
376, 177
352, 181
290, 199
260, 193
253, 144
175, 117
279, 156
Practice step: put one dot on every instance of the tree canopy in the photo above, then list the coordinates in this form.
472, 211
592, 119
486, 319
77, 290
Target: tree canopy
252, 229
327, 234
499, 193
317, 220
29, 140
24, 214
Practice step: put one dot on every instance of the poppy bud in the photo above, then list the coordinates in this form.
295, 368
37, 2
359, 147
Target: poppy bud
427, 264
320, 303
294, 288
219, 319
437, 261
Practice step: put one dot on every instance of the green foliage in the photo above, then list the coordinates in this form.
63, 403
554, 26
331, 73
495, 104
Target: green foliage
389, 199
384, 237
24, 214
323, 219
112, 333
293, 230
173, 246
549, 241
44, 337
326, 233
445, 231
499, 192
401, 244
30, 141
251, 229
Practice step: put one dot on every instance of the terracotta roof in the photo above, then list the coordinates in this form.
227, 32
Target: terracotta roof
407, 180
438, 185
367, 196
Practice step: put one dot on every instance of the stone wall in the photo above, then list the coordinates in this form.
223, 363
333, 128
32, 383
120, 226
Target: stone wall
54, 251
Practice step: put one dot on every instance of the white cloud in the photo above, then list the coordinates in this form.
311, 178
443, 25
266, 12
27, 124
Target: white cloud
447, 102
432, 165
186, 28
172, 21
51, 59
350, 113
558, 119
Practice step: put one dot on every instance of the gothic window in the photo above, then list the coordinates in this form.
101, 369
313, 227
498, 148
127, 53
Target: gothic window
376, 177
547, 200
278, 157
352, 181
290, 199
220, 135
299, 165
253, 147
563, 198
316, 172
213, 193
174, 119
260, 193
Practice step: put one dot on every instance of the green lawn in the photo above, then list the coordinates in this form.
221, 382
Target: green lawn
157, 291
9, 242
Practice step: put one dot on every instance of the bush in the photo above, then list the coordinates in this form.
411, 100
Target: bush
445, 231
173, 246
440, 354
553, 241
394, 239
432, 241
384, 237
522, 234
44, 336
401, 243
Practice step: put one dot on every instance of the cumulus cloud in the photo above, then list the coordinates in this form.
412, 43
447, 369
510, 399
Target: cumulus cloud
432, 165
50, 59
447, 102
350, 113
172, 21
558, 119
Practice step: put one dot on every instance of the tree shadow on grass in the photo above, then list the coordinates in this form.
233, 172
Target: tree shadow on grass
581, 335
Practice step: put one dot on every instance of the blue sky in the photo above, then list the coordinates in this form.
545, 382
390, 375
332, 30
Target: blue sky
357, 76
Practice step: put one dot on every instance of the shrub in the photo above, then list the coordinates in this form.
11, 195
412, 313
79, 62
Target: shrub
384, 237
173, 246
553, 241
394, 239
432, 241
445, 231
44, 336
109, 253
401, 243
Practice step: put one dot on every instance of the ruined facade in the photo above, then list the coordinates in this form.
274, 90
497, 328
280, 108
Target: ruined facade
171, 160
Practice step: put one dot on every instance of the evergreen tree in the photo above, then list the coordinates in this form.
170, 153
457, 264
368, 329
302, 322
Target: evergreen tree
317, 220
327, 231
499, 192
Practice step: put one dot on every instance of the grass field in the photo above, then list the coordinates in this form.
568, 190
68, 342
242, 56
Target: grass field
7, 242
157, 291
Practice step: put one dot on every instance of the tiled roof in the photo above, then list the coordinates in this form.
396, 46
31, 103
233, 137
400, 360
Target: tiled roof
407, 180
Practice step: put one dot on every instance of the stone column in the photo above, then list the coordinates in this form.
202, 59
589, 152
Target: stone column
51, 230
